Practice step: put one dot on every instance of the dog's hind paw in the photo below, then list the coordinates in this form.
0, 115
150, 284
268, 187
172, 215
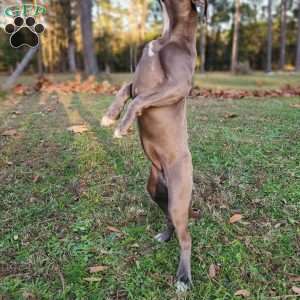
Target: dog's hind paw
163, 236
181, 287
107, 122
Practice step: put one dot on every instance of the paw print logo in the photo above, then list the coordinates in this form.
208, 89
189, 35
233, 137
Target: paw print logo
24, 32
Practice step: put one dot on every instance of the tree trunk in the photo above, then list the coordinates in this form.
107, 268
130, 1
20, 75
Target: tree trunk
40, 61
235, 42
71, 19
71, 56
270, 38
19, 69
131, 52
283, 34
298, 41
203, 48
90, 61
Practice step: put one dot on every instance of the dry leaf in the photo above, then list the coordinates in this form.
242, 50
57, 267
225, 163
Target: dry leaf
35, 179
295, 105
92, 279
113, 229
286, 91
97, 269
90, 85
212, 273
16, 113
29, 296
243, 293
294, 278
296, 290
230, 115
78, 128
235, 218
9, 132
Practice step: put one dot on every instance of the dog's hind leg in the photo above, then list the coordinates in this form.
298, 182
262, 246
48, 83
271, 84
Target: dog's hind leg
159, 193
180, 183
116, 108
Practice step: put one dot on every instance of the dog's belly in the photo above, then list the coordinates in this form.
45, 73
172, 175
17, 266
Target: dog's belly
163, 133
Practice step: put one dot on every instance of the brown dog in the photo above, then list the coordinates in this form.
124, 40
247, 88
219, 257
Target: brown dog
159, 89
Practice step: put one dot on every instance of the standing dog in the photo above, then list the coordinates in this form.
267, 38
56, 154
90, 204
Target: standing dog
162, 82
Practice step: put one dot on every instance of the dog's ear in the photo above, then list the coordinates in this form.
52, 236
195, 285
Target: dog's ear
203, 4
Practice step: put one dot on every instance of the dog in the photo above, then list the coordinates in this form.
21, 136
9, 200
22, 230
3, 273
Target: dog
162, 81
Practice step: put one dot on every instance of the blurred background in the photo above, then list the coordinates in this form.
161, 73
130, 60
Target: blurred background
108, 36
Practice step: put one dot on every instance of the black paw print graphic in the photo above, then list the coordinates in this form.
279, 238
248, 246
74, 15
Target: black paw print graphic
24, 32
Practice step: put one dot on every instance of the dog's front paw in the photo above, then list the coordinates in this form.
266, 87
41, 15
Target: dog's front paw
107, 122
118, 134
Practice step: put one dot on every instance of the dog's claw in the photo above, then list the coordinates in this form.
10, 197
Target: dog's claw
107, 122
117, 134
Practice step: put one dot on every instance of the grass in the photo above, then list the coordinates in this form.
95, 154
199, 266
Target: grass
60, 191
215, 80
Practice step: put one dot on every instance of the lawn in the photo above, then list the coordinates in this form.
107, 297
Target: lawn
69, 202
215, 80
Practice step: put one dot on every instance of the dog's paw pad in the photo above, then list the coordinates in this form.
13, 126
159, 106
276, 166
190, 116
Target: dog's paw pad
107, 122
24, 32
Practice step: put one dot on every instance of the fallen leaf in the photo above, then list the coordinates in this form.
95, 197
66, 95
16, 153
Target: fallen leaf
97, 269
78, 128
296, 290
21, 90
235, 218
16, 113
90, 85
277, 225
9, 132
295, 105
113, 229
294, 279
35, 179
92, 279
212, 273
29, 296
243, 293
230, 115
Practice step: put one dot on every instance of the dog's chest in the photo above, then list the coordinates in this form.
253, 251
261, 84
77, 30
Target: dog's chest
149, 72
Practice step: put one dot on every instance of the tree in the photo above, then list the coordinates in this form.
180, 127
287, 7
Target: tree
298, 41
202, 47
283, 25
235, 42
70, 25
90, 61
20, 68
270, 37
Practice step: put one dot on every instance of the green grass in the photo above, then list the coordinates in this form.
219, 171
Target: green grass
59, 191
216, 80
221, 80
